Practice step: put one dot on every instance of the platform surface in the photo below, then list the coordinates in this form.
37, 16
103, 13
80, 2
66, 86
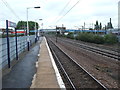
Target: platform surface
45, 76
21, 74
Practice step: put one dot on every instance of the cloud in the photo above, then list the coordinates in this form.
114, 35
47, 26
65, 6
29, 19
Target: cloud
85, 11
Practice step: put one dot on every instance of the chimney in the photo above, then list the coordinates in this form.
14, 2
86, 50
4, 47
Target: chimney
110, 20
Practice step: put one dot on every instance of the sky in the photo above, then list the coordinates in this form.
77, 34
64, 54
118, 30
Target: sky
51, 11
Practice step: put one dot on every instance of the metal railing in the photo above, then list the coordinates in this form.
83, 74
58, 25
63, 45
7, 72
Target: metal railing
21, 46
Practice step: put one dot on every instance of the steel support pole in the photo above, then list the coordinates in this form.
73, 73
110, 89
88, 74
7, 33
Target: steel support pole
8, 44
56, 34
35, 32
16, 45
28, 41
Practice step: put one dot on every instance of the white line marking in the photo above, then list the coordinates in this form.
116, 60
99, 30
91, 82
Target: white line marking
59, 78
36, 64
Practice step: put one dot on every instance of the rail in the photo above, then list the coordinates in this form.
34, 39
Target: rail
107, 53
59, 54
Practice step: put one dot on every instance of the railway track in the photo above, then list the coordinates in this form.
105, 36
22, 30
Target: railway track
103, 52
75, 75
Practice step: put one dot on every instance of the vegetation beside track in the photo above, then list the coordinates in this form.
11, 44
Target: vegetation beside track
93, 38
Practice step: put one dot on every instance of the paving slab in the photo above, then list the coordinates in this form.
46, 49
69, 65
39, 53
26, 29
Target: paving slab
45, 76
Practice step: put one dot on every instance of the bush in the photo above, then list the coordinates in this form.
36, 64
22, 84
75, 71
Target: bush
110, 39
86, 37
92, 38
70, 35
98, 39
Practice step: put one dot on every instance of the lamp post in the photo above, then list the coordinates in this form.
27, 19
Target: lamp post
38, 34
36, 31
28, 40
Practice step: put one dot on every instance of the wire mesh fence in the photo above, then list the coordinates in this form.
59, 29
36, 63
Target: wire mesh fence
21, 46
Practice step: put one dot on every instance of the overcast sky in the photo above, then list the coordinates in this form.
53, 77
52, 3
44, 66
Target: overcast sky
87, 11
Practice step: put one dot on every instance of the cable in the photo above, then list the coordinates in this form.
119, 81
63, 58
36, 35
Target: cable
65, 7
62, 10
8, 6
68, 11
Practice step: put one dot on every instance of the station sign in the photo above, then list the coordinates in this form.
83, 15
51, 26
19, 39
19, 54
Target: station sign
11, 24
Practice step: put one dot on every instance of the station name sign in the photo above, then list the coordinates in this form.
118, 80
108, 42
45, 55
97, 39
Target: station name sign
11, 24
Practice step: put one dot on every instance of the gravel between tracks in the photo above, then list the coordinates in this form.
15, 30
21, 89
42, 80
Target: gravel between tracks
102, 68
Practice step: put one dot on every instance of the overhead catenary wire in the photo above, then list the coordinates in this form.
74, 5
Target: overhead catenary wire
62, 10
68, 11
9, 7
64, 7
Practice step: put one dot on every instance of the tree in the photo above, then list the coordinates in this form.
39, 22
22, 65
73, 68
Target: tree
23, 25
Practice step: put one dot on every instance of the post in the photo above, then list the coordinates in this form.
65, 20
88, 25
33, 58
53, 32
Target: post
56, 34
82, 30
84, 25
38, 34
105, 30
8, 44
28, 41
35, 33
16, 45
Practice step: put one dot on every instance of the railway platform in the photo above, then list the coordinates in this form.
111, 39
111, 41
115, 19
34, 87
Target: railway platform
47, 75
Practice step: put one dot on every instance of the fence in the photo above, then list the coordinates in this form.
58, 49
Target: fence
21, 44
